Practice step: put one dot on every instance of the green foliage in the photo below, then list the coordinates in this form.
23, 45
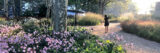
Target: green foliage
36, 8
87, 20
88, 43
83, 41
87, 5
30, 25
147, 29
91, 46
154, 17
3, 21
90, 19
42, 10
119, 7
76, 29
113, 18
44, 22
70, 21
1, 4
29, 13
126, 17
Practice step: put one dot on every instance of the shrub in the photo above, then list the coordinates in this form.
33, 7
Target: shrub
45, 22
90, 19
30, 25
39, 12
3, 21
70, 21
29, 13
147, 29
126, 17
113, 19
156, 17
131, 16
16, 39
75, 41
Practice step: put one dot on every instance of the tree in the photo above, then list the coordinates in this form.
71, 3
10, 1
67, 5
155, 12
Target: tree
59, 15
17, 8
102, 5
96, 6
6, 8
12, 6
48, 5
155, 13
35, 8
1, 4
86, 5
119, 7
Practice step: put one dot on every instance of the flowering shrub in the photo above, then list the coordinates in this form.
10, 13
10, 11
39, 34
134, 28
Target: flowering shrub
14, 39
8, 30
61, 42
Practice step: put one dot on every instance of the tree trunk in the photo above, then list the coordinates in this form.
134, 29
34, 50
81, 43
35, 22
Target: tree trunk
6, 8
102, 4
100, 7
48, 4
17, 8
59, 15
14, 8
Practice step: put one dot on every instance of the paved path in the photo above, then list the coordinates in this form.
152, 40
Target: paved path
132, 43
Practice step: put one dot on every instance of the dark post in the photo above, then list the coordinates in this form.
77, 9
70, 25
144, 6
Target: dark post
76, 13
75, 18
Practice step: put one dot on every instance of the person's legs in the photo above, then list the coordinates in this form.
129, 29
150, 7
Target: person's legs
106, 29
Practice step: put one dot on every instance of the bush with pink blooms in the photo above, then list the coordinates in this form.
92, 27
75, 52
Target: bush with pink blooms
14, 39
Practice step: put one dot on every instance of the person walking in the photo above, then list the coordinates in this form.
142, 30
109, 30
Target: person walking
106, 24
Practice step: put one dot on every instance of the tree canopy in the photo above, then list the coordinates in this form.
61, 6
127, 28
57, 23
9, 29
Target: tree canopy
119, 7
89, 5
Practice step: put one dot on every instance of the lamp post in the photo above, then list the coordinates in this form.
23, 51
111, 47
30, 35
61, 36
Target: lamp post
76, 13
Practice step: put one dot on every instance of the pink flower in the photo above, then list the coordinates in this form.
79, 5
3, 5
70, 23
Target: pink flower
24, 50
29, 34
132, 45
48, 39
43, 51
29, 49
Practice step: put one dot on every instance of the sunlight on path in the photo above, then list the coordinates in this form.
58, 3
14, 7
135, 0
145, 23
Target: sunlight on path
99, 29
132, 43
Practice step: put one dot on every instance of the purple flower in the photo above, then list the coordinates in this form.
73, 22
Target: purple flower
35, 32
43, 51
75, 49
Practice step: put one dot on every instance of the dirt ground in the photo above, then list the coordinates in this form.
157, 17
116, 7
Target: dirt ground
131, 42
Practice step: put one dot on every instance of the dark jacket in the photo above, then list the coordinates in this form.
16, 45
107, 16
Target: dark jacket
106, 20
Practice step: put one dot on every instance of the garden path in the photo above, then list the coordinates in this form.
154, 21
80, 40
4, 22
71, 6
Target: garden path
131, 42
